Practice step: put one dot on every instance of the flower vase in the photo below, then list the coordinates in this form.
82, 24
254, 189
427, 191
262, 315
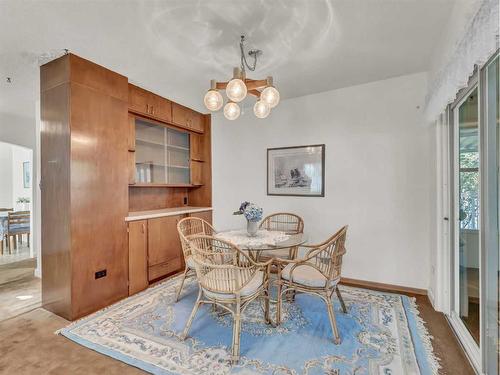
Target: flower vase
252, 227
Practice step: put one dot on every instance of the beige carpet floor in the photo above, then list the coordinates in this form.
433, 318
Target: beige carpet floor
29, 346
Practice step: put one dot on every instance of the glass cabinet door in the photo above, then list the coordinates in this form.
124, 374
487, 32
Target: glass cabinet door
150, 153
161, 154
178, 171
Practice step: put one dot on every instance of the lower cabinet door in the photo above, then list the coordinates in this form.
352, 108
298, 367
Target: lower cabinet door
162, 269
164, 246
137, 256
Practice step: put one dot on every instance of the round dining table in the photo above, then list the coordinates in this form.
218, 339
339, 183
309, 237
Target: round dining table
264, 240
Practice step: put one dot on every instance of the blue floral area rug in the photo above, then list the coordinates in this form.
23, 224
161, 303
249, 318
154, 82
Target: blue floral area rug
381, 334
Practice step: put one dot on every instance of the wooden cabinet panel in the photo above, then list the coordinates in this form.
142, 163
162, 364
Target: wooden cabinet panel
163, 240
196, 173
131, 133
99, 231
205, 215
137, 256
149, 104
195, 122
131, 167
202, 195
196, 147
179, 114
139, 100
162, 108
55, 144
187, 118
163, 269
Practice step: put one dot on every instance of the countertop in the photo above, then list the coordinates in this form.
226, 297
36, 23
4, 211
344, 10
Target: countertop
142, 215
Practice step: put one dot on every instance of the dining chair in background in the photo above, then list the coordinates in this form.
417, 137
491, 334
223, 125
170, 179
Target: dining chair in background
318, 274
3, 227
284, 222
18, 223
187, 228
230, 279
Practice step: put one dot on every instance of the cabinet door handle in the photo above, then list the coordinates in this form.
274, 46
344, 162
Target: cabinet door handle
143, 228
147, 108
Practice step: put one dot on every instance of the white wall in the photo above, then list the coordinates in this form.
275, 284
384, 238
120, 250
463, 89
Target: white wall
5, 175
379, 173
19, 156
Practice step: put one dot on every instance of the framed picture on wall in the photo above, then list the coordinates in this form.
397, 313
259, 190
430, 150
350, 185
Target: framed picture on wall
27, 174
296, 171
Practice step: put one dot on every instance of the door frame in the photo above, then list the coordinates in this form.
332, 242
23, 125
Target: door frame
472, 349
489, 237
484, 357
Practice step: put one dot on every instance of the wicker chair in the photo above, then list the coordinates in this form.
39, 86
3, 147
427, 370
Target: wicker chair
284, 222
317, 274
229, 279
187, 228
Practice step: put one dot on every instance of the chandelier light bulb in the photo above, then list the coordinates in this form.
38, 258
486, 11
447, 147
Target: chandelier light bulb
236, 90
271, 96
231, 111
213, 100
261, 109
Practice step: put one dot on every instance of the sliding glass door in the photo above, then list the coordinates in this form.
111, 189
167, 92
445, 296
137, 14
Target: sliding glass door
475, 266
490, 120
467, 208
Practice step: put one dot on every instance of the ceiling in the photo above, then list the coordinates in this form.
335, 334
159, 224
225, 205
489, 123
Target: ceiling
175, 47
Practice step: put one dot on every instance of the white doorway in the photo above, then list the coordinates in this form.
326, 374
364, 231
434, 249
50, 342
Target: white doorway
19, 286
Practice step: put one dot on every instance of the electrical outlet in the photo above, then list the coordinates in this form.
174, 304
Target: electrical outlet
100, 274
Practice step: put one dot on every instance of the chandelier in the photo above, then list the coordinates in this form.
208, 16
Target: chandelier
238, 88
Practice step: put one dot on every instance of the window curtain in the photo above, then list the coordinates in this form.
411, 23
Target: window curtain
479, 42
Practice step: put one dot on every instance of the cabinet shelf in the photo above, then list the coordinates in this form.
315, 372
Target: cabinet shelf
154, 143
161, 144
142, 185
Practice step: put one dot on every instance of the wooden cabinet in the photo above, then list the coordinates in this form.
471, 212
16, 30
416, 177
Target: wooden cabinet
187, 118
146, 103
164, 246
205, 215
154, 251
137, 256
83, 159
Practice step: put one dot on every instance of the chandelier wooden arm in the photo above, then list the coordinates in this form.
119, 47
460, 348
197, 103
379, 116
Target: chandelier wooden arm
252, 84
255, 93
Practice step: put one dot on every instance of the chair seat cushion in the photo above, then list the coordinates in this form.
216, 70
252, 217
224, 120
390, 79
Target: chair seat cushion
252, 286
19, 229
19, 226
307, 276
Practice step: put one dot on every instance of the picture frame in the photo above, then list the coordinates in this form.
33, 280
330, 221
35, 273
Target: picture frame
296, 171
26, 174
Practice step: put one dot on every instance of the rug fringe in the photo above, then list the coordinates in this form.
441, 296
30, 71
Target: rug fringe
425, 337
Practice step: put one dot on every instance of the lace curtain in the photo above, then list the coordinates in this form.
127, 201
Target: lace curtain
479, 43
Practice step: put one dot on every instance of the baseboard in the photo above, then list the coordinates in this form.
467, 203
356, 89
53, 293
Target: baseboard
382, 286
430, 295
